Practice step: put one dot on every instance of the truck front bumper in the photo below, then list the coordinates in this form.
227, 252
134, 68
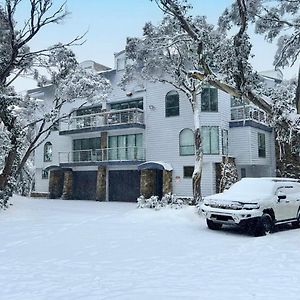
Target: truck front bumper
230, 216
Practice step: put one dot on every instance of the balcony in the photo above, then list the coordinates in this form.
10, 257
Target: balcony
249, 115
102, 156
114, 119
248, 112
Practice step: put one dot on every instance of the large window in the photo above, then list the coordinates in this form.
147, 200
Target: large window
261, 145
125, 147
88, 110
210, 139
186, 142
136, 103
209, 100
48, 152
172, 104
85, 149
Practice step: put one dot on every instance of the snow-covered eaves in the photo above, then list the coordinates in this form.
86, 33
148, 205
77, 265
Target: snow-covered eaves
272, 74
158, 165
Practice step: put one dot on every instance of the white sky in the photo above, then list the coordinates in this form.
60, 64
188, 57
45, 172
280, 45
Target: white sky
109, 23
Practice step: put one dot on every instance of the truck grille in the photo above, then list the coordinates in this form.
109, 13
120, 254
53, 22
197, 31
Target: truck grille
235, 206
222, 218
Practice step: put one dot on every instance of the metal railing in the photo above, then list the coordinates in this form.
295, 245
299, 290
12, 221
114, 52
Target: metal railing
112, 117
98, 155
248, 112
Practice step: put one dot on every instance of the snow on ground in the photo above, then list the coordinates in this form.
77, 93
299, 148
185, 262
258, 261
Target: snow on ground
69, 250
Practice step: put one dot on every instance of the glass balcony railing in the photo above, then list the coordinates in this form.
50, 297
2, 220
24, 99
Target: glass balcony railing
248, 112
113, 117
108, 154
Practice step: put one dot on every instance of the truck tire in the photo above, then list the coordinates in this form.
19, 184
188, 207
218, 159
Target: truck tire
263, 226
212, 225
296, 224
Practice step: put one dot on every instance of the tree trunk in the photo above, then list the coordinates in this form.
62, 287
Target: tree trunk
297, 97
198, 154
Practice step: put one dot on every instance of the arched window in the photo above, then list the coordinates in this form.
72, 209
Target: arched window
186, 142
48, 152
172, 104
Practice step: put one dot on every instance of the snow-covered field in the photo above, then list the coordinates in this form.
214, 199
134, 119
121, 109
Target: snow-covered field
69, 250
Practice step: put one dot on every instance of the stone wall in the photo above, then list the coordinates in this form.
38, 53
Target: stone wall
167, 182
68, 185
101, 184
56, 179
147, 183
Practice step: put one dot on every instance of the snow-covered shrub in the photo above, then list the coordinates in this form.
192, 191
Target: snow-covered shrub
151, 202
168, 200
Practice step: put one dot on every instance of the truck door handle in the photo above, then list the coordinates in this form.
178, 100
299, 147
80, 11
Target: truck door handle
287, 201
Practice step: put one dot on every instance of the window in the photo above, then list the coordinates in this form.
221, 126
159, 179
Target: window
136, 103
47, 152
209, 100
210, 139
188, 171
261, 145
45, 174
224, 141
172, 104
88, 111
125, 147
186, 142
84, 149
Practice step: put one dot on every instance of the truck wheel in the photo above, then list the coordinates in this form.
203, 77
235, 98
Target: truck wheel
212, 225
264, 225
296, 224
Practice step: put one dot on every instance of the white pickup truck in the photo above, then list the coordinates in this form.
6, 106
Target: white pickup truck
256, 204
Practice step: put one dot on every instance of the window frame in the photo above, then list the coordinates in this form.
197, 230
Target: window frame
187, 175
210, 140
48, 152
261, 145
210, 100
129, 152
45, 174
181, 146
168, 108
225, 143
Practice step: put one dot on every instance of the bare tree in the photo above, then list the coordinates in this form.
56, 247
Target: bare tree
16, 58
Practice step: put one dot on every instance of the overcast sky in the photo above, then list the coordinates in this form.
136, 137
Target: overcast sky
110, 22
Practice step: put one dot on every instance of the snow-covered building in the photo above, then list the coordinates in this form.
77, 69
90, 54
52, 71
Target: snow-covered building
141, 142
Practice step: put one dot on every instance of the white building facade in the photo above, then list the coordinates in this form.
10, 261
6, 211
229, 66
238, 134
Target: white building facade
141, 142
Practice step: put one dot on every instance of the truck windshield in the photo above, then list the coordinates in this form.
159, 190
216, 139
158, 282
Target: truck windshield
252, 186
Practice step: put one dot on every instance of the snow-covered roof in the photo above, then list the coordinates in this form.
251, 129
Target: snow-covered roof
160, 165
272, 74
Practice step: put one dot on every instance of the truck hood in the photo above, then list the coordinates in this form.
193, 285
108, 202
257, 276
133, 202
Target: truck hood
235, 197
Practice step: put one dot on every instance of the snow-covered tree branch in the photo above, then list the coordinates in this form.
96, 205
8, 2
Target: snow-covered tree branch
24, 122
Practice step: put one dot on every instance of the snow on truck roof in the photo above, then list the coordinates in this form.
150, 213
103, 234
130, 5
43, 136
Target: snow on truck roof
275, 179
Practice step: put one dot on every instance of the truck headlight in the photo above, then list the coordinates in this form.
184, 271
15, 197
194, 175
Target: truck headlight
251, 206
